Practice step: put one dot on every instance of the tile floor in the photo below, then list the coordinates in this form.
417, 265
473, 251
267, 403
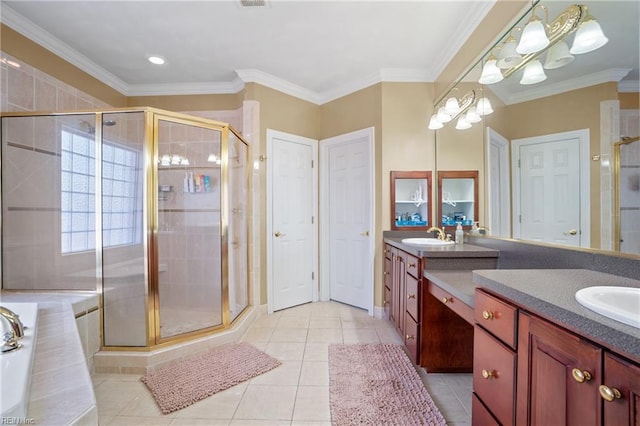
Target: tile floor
296, 393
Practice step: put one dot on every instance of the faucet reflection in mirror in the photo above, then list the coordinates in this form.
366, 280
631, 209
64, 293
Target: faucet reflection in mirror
538, 38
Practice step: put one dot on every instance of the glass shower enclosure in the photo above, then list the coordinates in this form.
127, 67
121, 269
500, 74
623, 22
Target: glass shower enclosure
148, 208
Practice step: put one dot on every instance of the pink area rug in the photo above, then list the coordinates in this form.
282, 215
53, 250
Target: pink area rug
377, 384
192, 379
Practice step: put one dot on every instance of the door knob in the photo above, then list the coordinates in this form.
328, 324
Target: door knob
365, 234
279, 234
571, 232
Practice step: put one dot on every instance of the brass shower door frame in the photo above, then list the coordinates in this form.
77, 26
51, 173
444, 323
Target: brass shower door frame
616, 189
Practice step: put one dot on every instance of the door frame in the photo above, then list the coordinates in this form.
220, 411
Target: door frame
583, 137
496, 141
313, 143
325, 266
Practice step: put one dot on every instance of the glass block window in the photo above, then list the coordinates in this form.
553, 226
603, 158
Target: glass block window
119, 179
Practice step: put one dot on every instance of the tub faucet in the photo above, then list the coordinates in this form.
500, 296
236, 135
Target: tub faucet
14, 321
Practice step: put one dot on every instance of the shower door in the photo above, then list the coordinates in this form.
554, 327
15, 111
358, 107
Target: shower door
628, 195
189, 259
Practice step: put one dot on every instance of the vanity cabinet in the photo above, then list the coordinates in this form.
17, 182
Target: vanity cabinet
530, 371
411, 200
404, 288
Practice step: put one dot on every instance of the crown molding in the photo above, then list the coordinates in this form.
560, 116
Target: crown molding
614, 74
27, 28
279, 84
221, 88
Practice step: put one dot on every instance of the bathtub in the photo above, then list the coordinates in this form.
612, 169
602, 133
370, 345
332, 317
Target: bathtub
15, 366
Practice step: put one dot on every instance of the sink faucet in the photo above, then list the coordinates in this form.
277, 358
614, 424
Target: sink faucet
14, 321
441, 235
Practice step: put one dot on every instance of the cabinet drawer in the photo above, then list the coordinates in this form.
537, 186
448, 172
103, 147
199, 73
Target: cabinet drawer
480, 416
497, 317
413, 297
387, 272
388, 254
463, 310
494, 367
413, 265
411, 337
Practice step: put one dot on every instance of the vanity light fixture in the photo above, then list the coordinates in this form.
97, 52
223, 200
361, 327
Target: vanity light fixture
490, 72
443, 117
462, 123
452, 106
472, 115
434, 123
558, 56
483, 107
533, 73
589, 37
167, 160
538, 37
508, 57
534, 35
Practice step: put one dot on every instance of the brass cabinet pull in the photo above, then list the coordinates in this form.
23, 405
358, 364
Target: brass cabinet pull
609, 394
446, 300
413, 265
488, 315
410, 337
487, 374
411, 296
385, 272
580, 376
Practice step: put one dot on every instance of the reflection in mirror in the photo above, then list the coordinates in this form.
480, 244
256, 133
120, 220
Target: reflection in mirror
457, 197
627, 190
594, 94
411, 195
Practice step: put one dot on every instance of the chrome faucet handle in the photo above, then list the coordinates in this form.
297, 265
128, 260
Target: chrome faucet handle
14, 321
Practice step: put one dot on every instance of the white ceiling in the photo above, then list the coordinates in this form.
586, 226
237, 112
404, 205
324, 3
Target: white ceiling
316, 50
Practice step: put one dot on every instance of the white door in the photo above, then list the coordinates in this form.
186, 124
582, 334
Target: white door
291, 220
347, 225
549, 191
498, 194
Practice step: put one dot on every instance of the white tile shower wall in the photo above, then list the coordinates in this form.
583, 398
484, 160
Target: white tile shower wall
609, 134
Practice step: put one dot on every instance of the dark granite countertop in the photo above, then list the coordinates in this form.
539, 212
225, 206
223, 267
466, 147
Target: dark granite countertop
454, 250
457, 283
550, 293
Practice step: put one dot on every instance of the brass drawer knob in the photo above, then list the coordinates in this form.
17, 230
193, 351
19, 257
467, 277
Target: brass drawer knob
487, 374
580, 376
411, 296
386, 273
609, 394
488, 315
446, 300
410, 337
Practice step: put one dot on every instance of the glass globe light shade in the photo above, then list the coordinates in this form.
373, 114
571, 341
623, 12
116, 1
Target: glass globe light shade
483, 107
589, 37
558, 56
463, 124
452, 106
443, 117
434, 123
534, 37
472, 115
490, 72
533, 73
508, 57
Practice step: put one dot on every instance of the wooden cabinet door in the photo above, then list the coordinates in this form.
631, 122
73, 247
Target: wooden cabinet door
553, 358
624, 377
397, 291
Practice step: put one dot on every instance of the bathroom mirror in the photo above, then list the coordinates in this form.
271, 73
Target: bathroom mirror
411, 195
596, 92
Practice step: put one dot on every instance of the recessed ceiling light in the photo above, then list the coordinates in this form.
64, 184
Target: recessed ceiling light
157, 60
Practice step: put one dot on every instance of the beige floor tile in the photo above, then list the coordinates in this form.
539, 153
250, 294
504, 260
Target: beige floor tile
312, 404
113, 396
316, 351
300, 310
288, 374
289, 335
268, 321
203, 422
314, 373
266, 402
325, 309
325, 322
293, 321
257, 334
143, 405
221, 405
328, 335
247, 422
356, 335
305, 423
133, 420
285, 351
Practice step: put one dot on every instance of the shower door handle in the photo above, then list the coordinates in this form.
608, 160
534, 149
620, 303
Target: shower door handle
279, 234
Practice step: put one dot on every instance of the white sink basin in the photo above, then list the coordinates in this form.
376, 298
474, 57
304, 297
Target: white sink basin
618, 303
431, 242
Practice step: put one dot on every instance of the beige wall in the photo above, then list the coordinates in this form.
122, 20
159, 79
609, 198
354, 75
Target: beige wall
629, 100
